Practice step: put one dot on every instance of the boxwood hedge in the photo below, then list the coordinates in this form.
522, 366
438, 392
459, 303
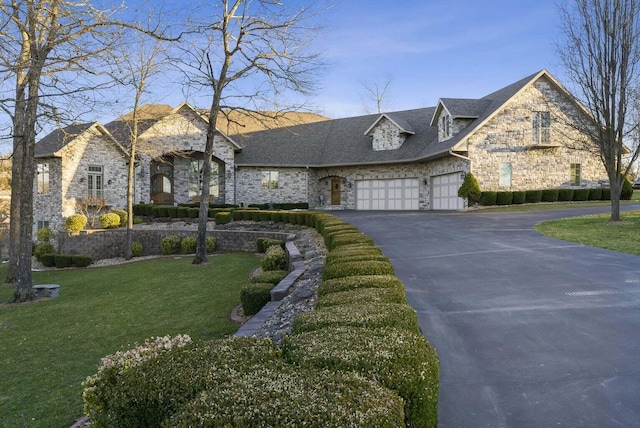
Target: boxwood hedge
271, 277
371, 295
356, 268
359, 281
254, 296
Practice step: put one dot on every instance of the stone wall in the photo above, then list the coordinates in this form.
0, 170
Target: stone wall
106, 244
292, 186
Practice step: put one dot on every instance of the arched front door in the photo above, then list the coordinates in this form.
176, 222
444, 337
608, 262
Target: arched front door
161, 190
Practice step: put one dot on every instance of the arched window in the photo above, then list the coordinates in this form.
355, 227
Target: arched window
160, 183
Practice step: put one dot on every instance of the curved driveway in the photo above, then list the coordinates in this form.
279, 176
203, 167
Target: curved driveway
531, 331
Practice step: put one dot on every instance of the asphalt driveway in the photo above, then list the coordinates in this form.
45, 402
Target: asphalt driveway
531, 331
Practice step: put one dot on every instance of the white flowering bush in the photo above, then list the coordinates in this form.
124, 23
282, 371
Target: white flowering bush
400, 360
369, 295
362, 314
283, 395
359, 281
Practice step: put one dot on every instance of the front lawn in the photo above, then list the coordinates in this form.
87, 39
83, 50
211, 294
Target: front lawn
48, 348
597, 231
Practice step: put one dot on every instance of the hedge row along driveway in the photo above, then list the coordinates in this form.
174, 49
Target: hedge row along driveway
530, 331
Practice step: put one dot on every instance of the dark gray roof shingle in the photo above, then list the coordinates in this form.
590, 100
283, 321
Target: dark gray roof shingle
60, 138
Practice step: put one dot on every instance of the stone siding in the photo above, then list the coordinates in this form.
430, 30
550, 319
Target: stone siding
292, 186
507, 137
106, 244
387, 136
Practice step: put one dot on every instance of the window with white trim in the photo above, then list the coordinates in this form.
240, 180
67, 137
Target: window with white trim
575, 174
541, 127
505, 174
95, 182
445, 129
42, 178
269, 179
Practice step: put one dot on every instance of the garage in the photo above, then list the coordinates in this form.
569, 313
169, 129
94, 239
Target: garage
388, 194
444, 192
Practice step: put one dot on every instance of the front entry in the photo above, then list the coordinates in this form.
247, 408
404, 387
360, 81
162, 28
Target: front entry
335, 191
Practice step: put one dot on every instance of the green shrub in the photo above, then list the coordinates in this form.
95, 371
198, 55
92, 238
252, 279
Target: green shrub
470, 189
488, 198
565, 195
349, 239
172, 211
188, 245
137, 220
183, 212
148, 210
270, 277
504, 198
606, 194
262, 243
124, 216
595, 194
194, 212
170, 245
358, 295
210, 244
364, 314
518, 197
356, 282
109, 220
283, 395
254, 296
75, 223
400, 360
162, 211
42, 248
48, 259
341, 270
275, 258
533, 196
355, 249
80, 260
223, 217
62, 260
136, 249
627, 190
45, 234
330, 235
580, 194
138, 209
550, 195
356, 258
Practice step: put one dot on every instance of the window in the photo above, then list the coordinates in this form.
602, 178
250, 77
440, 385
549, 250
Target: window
444, 126
42, 224
575, 174
269, 179
42, 177
160, 184
541, 127
505, 174
195, 178
95, 182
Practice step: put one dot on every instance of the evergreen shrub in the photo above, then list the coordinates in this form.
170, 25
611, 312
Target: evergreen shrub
533, 196
270, 277
170, 245
581, 194
75, 223
504, 198
136, 249
488, 198
518, 197
565, 195
360, 281
80, 260
188, 245
109, 220
550, 195
275, 258
595, 194
254, 296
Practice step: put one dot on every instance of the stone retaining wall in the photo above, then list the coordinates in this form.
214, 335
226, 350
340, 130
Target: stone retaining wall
107, 244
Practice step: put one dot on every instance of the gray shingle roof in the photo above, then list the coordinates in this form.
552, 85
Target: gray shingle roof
469, 108
60, 138
342, 141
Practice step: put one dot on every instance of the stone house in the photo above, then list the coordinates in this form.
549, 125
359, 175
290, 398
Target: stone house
517, 138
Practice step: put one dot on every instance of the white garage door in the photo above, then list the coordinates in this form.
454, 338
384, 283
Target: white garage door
392, 194
444, 192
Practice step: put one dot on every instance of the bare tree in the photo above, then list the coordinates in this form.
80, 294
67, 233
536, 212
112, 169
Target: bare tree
376, 92
245, 53
601, 52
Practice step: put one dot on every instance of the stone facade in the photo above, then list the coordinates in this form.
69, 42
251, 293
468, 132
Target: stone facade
507, 138
293, 185
387, 136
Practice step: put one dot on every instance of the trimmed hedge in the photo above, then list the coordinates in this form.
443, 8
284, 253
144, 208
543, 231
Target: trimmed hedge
48, 259
400, 360
362, 281
371, 295
550, 195
371, 267
263, 243
355, 249
595, 194
222, 217
518, 197
62, 260
504, 198
42, 248
254, 296
124, 216
356, 258
271, 277
533, 196
80, 260
488, 198
170, 245
565, 195
275, 258
349, 239
606, 194
581, 194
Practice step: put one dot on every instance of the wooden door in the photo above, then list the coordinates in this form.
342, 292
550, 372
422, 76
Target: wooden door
335, 191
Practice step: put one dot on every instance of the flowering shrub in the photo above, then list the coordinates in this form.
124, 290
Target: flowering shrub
75, 223
271, 277
399, 359
275, 258
254, 296
359, 281
109, 220
170, 245
363, 314
372, 267
369, 295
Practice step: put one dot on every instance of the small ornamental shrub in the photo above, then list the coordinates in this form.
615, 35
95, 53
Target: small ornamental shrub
504, 198
183, 212
470, 189
62, 260
269, 277
188, 245
138, 209
42, 248
606, 194
48, 259
136, 249
341, 270
518, 197
275, 258
627, 190
581, 194
595, 194
263, 243
223, 217
80, 260
344, 255
356, 258
338, 228
533, 196
364, 315
349, 239
400, 360
355, 249
254, 296
137, 220
550, 195
488, 198
210, 244
565, 195
356, 282
109, 220
170, 245
124, 216
75, 223
370, 295
45, 234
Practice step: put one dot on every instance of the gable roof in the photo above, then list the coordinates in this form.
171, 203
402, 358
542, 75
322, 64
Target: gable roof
396, 119
342, 142
460, 108
52, 143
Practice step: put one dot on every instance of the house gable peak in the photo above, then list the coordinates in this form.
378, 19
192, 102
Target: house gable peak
389, 132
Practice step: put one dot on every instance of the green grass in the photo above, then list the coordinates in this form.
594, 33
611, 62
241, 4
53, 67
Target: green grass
597, 231
48, 348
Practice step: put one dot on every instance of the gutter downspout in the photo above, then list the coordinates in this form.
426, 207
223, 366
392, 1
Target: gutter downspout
451, 152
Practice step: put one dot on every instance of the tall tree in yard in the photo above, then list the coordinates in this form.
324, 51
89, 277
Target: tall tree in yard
601, 53
245, 53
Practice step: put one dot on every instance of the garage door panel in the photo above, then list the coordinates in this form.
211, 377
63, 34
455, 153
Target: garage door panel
388, 194
444, 192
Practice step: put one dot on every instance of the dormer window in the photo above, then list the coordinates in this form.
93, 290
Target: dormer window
445, 124
388, 132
